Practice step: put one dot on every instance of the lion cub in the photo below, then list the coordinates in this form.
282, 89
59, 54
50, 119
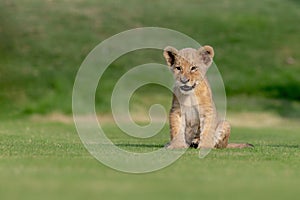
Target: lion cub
193, 117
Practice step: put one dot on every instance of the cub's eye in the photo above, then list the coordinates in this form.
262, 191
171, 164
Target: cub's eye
194, 68
178, 68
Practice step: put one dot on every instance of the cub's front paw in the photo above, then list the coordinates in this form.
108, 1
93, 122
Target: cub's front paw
171, 145
195, 143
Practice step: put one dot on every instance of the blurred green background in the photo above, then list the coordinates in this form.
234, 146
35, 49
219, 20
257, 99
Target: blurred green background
42, 45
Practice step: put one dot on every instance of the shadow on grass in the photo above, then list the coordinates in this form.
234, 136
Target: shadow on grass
297, 2
141, 145
289, 90
285, 108
285, 146
288, 95
8, 29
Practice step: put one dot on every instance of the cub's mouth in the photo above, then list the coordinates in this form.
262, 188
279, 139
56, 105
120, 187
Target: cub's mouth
187, 88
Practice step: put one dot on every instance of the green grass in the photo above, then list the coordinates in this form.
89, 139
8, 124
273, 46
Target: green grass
42, 44
46, 160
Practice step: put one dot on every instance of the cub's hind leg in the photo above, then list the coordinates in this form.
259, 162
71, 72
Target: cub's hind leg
196, 140
222, 134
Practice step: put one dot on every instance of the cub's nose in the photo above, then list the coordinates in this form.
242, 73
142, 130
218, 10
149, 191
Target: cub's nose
184, 80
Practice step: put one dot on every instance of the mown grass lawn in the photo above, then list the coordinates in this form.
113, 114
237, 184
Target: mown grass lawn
46, 160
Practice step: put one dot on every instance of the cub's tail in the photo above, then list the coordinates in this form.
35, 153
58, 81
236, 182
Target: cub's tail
239, 146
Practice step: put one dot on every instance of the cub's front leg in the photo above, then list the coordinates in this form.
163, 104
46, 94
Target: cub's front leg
208, 122
177, 128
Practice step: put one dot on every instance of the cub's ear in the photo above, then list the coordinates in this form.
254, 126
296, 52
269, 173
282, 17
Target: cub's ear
206, 54
170, 54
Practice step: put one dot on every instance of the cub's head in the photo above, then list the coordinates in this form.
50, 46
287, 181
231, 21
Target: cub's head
189, 66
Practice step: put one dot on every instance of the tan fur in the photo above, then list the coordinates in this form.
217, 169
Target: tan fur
193, 117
